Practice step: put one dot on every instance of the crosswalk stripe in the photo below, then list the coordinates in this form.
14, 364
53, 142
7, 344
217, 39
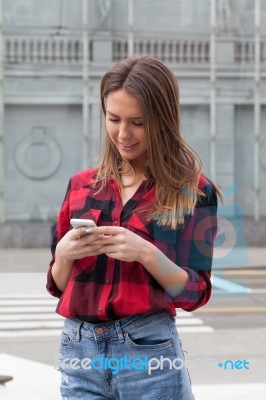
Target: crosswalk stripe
31, 333
29, 302
195, 329
30, 324
257, 291
30, 309
27, 317
183, 314
28, 296
190, 321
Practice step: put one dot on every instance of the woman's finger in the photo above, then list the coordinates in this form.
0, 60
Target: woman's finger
81, 233
107, 230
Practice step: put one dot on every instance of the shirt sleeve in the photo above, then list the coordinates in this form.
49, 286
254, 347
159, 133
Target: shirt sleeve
62, 227
194, 251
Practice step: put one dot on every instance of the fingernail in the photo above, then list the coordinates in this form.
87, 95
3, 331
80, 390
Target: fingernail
88, 230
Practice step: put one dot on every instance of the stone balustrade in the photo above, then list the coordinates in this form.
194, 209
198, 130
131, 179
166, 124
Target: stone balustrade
23, 50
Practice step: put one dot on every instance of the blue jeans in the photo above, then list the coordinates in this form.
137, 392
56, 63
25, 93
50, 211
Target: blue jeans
138, 357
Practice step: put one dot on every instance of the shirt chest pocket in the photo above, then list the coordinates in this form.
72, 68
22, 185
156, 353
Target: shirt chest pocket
92, 214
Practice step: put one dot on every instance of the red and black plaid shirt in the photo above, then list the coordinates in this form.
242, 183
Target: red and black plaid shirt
104, 289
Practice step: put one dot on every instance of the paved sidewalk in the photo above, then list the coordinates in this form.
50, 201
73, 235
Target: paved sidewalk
256, 391
32, 380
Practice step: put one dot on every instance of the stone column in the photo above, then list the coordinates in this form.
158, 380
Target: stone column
2, 217
225, 150
102, 45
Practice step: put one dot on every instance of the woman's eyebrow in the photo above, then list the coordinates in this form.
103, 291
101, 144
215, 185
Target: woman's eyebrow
114, 115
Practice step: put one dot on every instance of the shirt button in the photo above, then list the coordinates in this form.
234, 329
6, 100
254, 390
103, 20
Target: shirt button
99, 331
115, 222
107, 281
100, 309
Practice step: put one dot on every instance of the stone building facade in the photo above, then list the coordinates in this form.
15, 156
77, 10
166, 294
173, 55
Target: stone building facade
221, 75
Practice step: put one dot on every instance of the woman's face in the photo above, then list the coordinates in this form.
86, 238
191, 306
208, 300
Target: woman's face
125, 126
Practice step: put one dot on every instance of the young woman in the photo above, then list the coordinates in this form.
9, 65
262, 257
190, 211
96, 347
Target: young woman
120, 283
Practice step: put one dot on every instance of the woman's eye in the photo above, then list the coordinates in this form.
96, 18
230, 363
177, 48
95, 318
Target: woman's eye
134, 123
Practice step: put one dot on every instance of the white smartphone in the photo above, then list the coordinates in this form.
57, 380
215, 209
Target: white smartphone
79, 223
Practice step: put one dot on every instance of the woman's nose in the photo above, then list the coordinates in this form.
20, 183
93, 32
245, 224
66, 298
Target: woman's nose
123, 132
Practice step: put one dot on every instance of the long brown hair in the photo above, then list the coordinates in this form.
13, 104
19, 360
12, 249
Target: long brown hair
171, 163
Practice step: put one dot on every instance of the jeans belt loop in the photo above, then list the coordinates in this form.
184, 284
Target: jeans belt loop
119, 332
78, 334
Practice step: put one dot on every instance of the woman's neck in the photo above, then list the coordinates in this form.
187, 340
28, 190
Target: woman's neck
129, 178
131, 175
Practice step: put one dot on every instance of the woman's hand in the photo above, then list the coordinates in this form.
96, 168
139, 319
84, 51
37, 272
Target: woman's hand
117, 242
77, 244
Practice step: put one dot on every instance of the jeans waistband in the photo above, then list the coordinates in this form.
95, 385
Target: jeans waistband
113, 328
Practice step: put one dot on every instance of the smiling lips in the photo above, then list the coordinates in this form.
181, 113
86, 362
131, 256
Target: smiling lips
128, 146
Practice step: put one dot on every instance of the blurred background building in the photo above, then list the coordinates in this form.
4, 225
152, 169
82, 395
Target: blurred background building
52, 56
